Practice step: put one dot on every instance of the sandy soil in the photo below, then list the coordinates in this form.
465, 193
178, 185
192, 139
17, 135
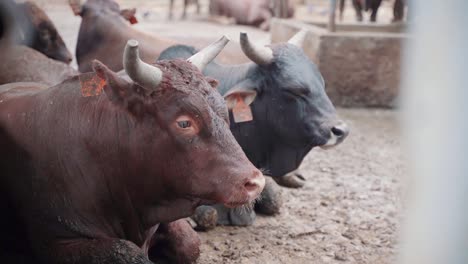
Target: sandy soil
348, 212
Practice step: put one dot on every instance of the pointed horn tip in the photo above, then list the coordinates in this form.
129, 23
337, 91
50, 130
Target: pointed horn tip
243, 35
225, 38
132, 43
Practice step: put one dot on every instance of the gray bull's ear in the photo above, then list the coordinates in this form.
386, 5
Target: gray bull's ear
244, 91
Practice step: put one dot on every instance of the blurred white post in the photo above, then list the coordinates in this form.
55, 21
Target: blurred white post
332, 17
435, 104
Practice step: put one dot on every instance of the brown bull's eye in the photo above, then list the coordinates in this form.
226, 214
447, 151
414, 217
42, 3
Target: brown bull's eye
184, 124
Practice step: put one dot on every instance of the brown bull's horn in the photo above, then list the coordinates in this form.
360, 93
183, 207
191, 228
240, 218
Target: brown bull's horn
140, 72
259, 55
206, 55
298, 38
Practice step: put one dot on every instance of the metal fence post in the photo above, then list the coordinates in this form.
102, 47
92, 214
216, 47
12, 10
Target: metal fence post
435, 126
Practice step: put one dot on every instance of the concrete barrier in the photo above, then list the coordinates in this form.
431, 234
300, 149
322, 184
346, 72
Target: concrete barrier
360, 68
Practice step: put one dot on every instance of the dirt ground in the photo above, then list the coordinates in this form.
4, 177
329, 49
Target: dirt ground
349, 210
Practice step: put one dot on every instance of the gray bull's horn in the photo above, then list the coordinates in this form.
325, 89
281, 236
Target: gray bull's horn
206, 55
259, 55
298, 38
140, 72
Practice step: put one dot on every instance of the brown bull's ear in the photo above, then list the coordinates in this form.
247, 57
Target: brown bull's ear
116, 88
244, 91
129, 14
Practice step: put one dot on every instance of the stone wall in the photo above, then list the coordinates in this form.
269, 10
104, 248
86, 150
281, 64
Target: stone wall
361, 69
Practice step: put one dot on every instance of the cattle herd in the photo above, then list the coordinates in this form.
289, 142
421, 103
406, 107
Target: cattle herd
106, 164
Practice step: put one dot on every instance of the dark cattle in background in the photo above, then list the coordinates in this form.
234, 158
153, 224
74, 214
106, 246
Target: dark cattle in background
291, 111
373, 6
399, 10
23, 64
246, 12
184, 12
366, 5
104, 32
27, 24
360, 5
88, 179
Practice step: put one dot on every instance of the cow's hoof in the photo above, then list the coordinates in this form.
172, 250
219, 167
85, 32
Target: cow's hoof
271, 199
206, 218
291, 180
240, 216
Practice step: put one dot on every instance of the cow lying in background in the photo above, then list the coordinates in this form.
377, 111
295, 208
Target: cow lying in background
27, 24
88, 179
246, 12
27, 37
104, 32
23, 64
290, 113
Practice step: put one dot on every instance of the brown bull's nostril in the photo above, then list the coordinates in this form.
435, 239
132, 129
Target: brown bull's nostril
251, 186
340, 131
255, 185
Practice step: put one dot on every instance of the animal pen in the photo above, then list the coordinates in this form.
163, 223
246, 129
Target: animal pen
393, 190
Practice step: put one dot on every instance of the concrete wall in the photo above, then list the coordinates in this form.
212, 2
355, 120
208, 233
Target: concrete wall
361, 69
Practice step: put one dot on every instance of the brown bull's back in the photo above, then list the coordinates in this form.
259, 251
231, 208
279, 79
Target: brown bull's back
103, 37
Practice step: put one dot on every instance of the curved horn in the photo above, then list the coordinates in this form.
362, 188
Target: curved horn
298, 38
206, 55
140, 72
259, 55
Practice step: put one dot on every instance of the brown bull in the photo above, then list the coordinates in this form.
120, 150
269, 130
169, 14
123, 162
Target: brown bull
246, 12
104, 32
88, 179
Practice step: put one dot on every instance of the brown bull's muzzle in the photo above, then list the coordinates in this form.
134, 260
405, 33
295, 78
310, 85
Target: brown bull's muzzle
250, 190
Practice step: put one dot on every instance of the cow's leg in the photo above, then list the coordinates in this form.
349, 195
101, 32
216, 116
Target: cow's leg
95, 251
358, 8
375, 4
293, 179
206, 217
398, 10
184, 12
198, 6
171, 9
341, 8
271, 199
175, 242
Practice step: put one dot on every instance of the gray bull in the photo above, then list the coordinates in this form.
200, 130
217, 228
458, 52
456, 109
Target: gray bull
291, 113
